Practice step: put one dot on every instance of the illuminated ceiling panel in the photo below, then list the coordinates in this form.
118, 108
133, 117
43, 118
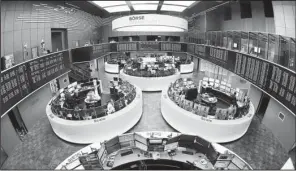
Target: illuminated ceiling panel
172, 8
144, 2
146, 7
183, 3
109, 3
117, 8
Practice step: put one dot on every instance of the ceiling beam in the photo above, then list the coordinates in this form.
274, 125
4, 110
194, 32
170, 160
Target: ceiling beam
129, 4
159, 6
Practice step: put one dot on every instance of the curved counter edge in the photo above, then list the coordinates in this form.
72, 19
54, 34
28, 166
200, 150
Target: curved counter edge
111, 68
187, 68
150, 83
74, 162
96, 130
219, 131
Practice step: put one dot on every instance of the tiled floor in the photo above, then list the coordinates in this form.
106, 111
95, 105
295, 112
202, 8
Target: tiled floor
42, 149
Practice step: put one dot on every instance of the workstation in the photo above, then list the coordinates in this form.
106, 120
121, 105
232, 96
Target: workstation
84, 112
151, 73
191, 109
151, 150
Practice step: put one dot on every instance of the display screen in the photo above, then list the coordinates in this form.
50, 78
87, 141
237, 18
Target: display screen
126, 137
275, 80
82, 54
21, 80
140, 139
122, 47
112, 142
149, 46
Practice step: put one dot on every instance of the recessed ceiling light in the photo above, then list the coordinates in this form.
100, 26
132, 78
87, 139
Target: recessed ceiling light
145, 7
109, 3
183, 3
172, 8
117, 8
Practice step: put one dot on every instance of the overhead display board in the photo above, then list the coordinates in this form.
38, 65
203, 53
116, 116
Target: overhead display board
23, 79
273, 79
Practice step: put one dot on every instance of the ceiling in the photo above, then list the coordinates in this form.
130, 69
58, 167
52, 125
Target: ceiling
181, 8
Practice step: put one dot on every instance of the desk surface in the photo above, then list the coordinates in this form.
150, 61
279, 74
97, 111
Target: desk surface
138, 154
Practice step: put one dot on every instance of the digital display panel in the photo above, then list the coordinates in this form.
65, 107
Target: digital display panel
21, 80
149, 46
122, 47
275, 80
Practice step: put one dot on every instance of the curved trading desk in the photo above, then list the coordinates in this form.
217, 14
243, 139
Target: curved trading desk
111, 68
186, 68
154, 150
96, 130
150, 83
209, 128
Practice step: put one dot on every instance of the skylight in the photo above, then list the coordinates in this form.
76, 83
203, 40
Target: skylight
117, 8
109, 3
172, 8
144, 2
183, 3
146, 7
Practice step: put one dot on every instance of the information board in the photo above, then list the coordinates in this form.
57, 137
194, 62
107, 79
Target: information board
97, 51
149, 46
82, 54
273, 79
281, 84
166, 46
21, 80
190, 48
123, 47
217, 56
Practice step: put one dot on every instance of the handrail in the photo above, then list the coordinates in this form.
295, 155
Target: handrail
80, 70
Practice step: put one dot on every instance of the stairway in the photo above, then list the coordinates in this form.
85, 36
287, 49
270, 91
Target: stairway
79, 74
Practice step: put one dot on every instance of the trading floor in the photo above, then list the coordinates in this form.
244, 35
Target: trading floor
42, 149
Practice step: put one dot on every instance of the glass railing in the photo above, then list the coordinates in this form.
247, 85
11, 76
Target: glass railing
275, 48
95, 112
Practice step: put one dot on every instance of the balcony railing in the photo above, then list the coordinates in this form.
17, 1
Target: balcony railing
274, 48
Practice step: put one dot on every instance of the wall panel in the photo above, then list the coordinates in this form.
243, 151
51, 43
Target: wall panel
283, 130
9, 137
33, 108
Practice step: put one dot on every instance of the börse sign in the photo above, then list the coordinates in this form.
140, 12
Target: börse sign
136, 18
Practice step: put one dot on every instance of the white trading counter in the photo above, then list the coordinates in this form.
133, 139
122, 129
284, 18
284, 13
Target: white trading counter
213, 130
112, 68
72, 162
97, 130
186, 68
150, 83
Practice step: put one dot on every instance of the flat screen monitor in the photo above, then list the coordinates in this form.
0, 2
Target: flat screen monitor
171, 146
112, 142
140, 139
102, 153
141, 146
113, 148
126, 137
173, 140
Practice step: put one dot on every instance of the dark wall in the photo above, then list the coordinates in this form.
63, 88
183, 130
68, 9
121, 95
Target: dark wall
215, 19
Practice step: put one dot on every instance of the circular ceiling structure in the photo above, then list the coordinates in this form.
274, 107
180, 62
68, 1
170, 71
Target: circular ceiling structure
150, 23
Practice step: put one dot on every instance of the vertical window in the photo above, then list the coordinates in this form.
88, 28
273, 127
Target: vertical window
246, 10
227, 12
268, 10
